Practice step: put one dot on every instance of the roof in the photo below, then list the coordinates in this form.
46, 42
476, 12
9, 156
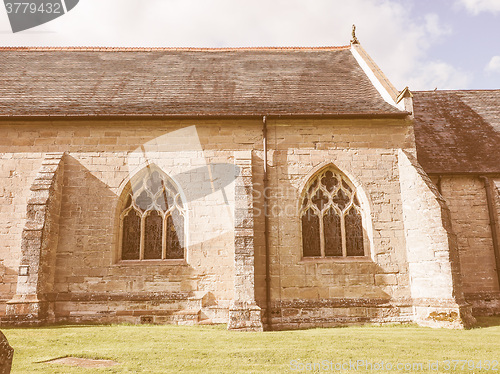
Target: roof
458, 131
190, 81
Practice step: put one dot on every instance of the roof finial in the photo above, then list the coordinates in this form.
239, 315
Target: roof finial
354, 40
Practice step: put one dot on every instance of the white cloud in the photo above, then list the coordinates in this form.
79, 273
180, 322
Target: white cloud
434, 27
438, 74
478, 6
386, 29
494, 65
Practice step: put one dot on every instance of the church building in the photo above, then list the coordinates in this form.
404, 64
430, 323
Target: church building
265, 188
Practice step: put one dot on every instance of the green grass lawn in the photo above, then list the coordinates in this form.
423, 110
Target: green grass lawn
213, 349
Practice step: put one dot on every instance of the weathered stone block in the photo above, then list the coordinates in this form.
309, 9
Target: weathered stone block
385, 279
6, 355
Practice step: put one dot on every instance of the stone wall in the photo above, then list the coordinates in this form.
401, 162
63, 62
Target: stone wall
91, 283
39, 245
432, 252
466, 197
309, 292
17, 172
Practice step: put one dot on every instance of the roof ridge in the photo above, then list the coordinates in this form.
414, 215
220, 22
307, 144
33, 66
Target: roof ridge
459, 90
187, 49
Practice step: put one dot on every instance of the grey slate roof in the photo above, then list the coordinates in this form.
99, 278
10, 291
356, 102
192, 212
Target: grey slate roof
272, 81
458, 131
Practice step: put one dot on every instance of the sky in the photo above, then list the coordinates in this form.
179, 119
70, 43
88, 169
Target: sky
423, 44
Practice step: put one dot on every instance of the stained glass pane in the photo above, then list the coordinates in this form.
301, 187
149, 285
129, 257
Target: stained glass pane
171, 201
143, 201
320, 199
178, 201
162, 201
152, 236
169, 186
333, 234
175, 237
355, 200
313, 185
346, 186
310, 234
131, 239
128, 203
354, 233
341, 199
329, 181
154, 183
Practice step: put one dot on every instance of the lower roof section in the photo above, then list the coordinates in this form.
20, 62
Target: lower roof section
458, 131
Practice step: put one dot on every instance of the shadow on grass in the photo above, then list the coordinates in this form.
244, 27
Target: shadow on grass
487, 322
61, 326
482, 322
53, 327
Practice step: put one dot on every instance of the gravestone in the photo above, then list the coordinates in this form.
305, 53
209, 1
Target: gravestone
6, 354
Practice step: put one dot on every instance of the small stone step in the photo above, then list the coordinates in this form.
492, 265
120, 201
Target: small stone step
182, 317
206, 322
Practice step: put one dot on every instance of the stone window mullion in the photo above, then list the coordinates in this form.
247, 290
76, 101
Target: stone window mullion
164, 237
343, 235
322, 233
143, 229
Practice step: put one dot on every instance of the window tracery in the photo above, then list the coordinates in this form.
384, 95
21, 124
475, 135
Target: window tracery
331, 217
153, 220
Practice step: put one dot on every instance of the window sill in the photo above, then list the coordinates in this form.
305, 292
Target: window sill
179, 262
308, 260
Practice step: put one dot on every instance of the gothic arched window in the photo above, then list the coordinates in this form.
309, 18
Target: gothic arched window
153, 219
331, 217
